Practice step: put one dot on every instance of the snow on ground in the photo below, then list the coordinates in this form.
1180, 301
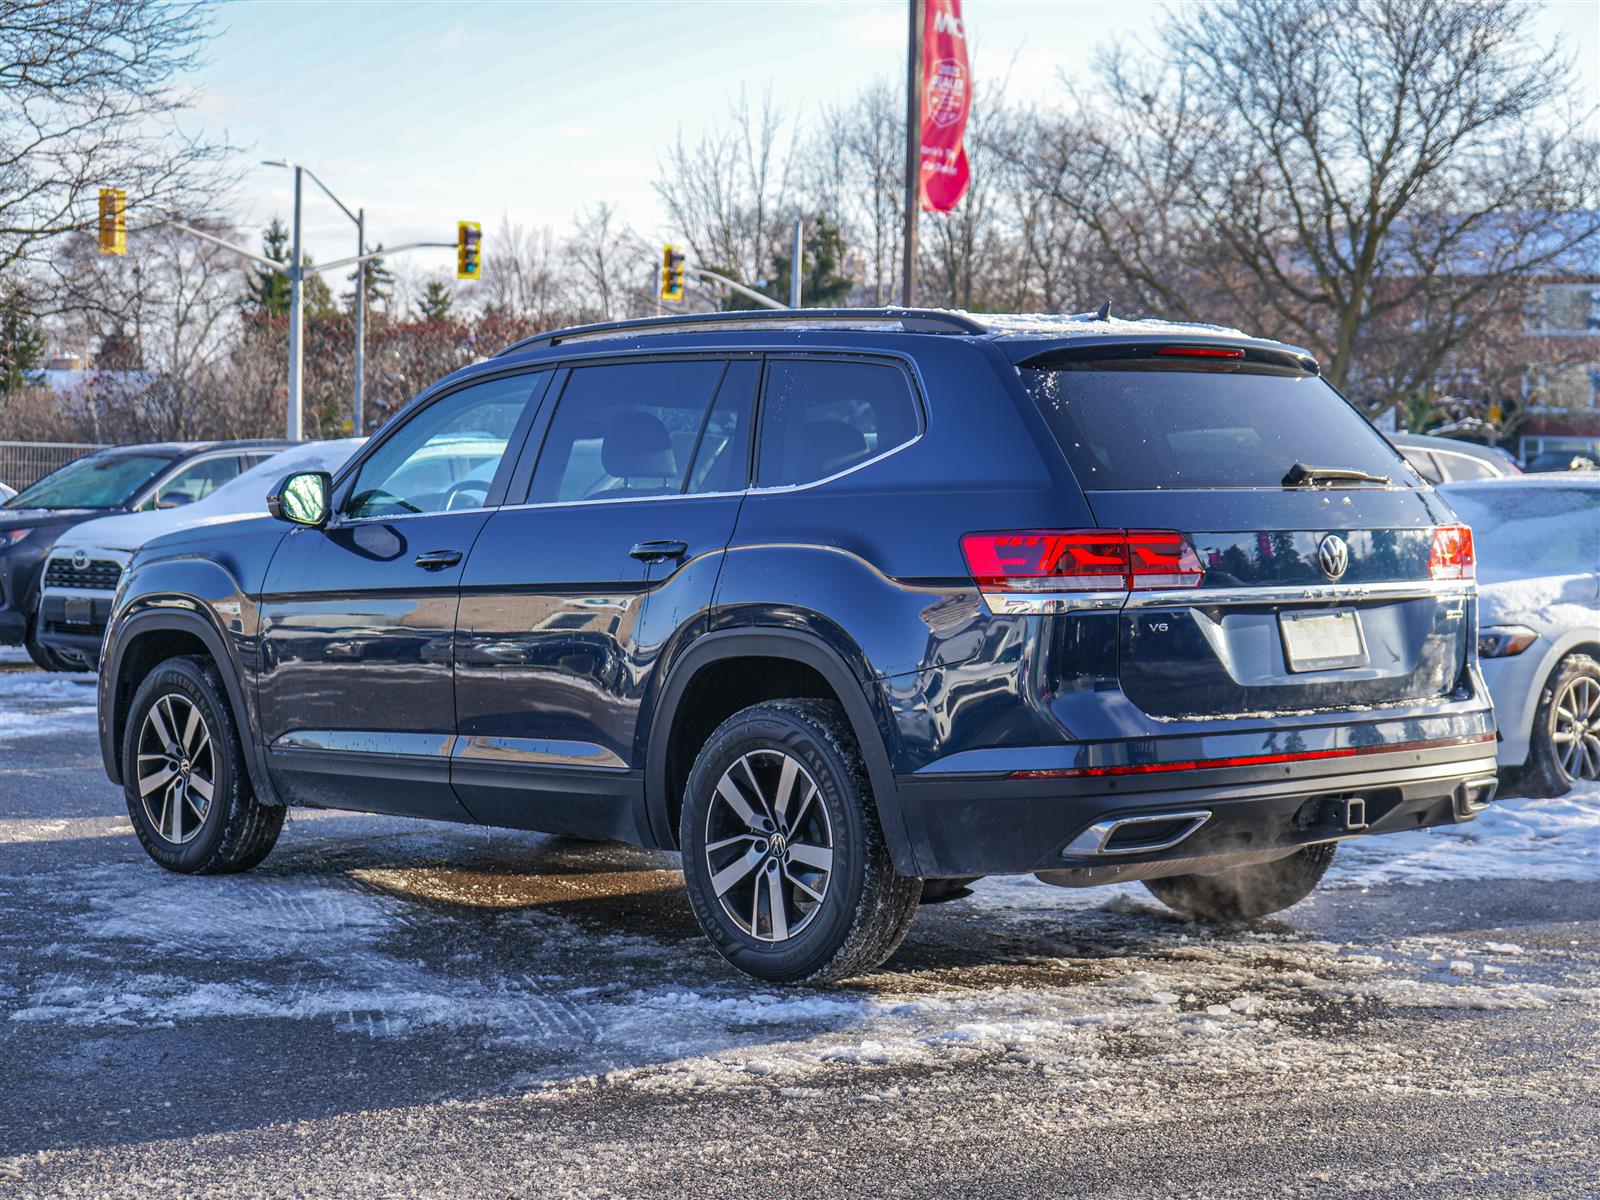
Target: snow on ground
32, 703
1515, 838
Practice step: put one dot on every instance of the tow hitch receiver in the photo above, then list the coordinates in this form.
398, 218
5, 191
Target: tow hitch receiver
1355, 814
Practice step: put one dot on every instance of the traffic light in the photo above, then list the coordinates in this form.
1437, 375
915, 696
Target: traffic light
469, 249
113, 221
672, 274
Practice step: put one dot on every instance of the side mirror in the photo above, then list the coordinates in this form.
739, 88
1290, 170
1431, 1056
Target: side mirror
303, 498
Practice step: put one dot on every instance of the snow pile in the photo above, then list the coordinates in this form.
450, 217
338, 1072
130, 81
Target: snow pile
1511, 839
32, 703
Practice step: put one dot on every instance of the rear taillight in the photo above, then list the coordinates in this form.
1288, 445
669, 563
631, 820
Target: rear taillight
1063, 560
1198, 352
1451, 556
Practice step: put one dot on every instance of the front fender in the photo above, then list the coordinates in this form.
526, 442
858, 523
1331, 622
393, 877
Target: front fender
193, 595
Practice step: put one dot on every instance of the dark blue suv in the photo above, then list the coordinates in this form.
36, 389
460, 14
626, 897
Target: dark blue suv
849, 606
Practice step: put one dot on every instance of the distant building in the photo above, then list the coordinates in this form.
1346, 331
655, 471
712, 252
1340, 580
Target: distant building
1564, 313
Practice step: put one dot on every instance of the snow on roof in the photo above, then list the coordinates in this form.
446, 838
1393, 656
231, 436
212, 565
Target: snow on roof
1090, 325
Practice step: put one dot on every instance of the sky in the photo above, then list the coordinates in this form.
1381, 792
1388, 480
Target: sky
430, 113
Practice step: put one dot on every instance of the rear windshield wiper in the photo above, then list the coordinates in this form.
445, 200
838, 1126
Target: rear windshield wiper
1306, 475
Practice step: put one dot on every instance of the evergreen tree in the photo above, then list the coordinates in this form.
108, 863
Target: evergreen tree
821, 286
380, 286
21, 342
436, 301
269, 290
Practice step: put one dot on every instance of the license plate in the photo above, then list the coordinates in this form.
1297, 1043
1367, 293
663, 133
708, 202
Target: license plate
1322, 641
79, 612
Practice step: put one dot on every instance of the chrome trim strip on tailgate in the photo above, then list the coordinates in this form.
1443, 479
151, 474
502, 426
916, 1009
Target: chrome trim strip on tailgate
1023, 603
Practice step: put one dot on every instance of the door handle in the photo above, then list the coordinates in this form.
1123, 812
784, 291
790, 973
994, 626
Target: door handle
438, 560
658, 551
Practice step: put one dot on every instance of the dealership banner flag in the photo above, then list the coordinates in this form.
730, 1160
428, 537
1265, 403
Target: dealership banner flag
946, 100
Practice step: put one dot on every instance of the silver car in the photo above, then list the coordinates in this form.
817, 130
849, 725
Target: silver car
1537, 540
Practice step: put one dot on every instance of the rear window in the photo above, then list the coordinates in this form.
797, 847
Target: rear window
1127, 427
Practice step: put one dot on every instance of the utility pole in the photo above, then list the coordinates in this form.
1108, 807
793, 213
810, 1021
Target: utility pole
908, 269
358, 415
795, 262
297, 319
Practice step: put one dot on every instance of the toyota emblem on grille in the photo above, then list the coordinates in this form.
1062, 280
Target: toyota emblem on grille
1333, 556
80, 559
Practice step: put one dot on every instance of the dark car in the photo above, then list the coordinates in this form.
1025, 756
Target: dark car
125, 479
850, 607
1449, 460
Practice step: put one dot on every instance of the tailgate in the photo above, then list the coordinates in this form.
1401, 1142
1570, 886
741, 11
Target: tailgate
1276, 625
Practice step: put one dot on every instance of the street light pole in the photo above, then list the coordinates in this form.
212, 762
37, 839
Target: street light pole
794, 262
357, 417
297, 317
908, 269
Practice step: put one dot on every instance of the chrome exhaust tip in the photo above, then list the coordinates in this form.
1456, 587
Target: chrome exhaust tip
1096, 841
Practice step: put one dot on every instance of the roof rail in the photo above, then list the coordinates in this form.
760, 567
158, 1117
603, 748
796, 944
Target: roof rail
910, 320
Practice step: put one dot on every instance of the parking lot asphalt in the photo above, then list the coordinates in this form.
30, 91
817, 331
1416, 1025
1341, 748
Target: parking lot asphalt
389, 1008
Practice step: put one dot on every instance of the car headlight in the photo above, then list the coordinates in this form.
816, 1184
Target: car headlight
1502, 641
12, 536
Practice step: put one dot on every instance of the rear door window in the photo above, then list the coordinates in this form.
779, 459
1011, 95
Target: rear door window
1135, 425
627, 430
823, 416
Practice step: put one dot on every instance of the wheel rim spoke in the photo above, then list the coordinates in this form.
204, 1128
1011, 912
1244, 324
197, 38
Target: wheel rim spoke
819, 857
149, 783
735, 871
729, 791
778, 918
768, 845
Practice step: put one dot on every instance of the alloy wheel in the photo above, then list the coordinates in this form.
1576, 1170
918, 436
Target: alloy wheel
176, 768
1575, 729
769, 845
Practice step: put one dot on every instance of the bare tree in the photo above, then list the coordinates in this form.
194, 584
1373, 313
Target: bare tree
163, 319
729, 194
1334, 171
524, 276
856, 170
610, 263
87, 98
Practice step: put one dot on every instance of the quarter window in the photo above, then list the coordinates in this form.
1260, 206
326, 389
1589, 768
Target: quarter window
626, 430
445, 457
820, 417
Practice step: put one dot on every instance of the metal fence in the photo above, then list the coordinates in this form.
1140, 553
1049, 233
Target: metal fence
25, 463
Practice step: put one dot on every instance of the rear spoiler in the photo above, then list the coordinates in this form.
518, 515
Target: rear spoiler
1168, 353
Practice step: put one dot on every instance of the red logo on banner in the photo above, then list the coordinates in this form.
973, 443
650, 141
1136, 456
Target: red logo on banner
946, 100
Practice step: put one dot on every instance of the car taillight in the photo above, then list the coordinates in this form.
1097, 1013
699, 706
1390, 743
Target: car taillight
1062, 560
1451, 556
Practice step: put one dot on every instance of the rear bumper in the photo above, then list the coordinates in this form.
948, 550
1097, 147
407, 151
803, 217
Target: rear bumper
993, 825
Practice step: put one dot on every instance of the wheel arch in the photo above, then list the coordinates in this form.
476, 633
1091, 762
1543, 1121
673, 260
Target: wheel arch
150, 636
807, 652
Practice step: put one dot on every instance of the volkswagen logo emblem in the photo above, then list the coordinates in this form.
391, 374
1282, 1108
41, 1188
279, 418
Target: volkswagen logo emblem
1333, 556
80, 559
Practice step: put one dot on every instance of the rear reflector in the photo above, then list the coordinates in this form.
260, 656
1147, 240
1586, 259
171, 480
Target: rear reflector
1199, 352
1060, 560
1451, 556
1248, 760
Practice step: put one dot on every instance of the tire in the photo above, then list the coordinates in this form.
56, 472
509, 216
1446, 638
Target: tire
1245, 893
45, 658
843, 907
1566, 729
192, 740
